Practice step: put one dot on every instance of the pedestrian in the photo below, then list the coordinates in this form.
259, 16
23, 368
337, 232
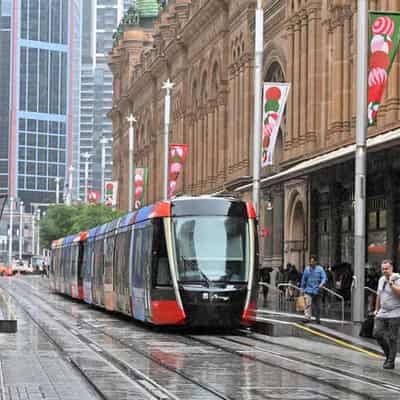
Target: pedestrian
265, 275
387, 313
313, 280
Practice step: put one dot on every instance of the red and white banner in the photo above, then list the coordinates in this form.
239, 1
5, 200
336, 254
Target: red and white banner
110, 193
275, 96
93, 197
177, 157
141, 174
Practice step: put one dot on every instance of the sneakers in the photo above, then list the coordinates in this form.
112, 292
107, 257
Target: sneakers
306, 321
388, 365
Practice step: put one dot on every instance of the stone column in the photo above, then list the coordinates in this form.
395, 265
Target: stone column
312, 99
278, 221
296, 83
303, 77
290, 78
346, 73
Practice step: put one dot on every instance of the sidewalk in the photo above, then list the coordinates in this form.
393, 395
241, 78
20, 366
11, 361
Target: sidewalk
289, 324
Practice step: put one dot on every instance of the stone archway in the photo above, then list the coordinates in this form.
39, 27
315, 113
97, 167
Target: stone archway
296, 226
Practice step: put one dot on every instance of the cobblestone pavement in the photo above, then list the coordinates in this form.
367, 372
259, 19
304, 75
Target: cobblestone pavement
122, 358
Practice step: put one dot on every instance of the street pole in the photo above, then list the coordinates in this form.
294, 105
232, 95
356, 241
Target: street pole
58, 179
103, 142
360, 163
10, 231
168, 86
71, 170
21, 228
131, 137
86, 156
38, 233
258, 64
33, 233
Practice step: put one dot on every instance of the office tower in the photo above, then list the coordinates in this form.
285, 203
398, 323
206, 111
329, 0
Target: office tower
40, 44
101, 19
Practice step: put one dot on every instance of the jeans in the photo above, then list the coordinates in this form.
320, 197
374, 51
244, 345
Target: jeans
386, 331
312, 305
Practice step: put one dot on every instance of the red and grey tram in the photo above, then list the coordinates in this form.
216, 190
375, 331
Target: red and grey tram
190, 261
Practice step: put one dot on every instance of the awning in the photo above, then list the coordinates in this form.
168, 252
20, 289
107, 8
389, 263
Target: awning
334, 157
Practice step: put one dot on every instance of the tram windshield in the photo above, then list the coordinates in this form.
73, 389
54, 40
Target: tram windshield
212, 249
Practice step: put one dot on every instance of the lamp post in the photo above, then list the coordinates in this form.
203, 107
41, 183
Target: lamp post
58, 179
10, 231
168, 86
21, 228
38, 232
69, 197
86, 156
257, 126
103, 142
33, 233
360, 163
131, 119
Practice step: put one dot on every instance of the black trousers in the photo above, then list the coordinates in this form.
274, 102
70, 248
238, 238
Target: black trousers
386, 331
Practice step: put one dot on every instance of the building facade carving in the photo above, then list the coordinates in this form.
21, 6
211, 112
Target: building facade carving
206, 47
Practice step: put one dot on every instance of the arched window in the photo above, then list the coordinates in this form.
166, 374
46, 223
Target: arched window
275, 74
215, 81
204, 93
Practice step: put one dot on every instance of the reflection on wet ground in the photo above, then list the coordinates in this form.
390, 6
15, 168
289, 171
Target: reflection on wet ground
124, 359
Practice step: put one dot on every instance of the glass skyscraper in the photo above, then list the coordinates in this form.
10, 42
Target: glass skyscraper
101, 19
40, 46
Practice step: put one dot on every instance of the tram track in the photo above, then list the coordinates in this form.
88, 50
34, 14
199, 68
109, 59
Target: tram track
365, 380
141, 380
121, 365
276, 355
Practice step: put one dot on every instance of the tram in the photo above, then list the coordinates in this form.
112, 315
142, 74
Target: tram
191, 261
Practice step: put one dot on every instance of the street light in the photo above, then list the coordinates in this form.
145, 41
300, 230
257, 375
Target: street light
258, 62
360, 163
131, 119
38, 232
10, 231
86, 156
33, 233
69, 196
21, 228
168, 86
58, 179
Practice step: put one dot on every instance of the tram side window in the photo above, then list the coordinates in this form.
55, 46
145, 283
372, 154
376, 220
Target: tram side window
122, 245
161, 274
99, 261
82, 260
108, 258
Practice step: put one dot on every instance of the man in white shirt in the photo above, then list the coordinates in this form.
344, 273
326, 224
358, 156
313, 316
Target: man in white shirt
387, 311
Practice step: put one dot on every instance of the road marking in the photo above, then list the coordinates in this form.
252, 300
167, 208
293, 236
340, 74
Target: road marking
339, 341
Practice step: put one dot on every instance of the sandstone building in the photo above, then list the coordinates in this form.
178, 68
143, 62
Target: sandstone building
206, 47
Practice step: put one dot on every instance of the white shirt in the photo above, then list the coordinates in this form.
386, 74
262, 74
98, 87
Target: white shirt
389, 301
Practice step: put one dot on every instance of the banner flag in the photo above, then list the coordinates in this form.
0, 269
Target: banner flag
384, 43
110, 193
140, 185
93, 197
177, 157
275, 96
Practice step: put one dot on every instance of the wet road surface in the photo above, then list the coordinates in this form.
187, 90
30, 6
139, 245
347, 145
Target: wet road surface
73, 351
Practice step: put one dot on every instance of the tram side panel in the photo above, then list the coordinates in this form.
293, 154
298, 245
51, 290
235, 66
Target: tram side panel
140, 275
121, 270
164, 306
87, 272
109, 286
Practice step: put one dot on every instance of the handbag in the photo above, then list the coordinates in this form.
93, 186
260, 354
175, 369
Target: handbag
300, 304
